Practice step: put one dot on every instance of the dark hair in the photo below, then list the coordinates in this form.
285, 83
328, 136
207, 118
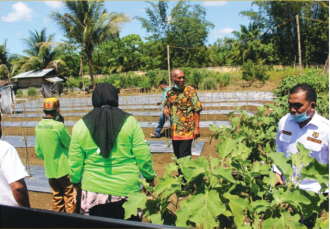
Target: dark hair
310, 92
162, 82
50, 112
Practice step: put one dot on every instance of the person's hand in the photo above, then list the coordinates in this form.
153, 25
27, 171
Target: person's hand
166, 112
196, 132
279, 180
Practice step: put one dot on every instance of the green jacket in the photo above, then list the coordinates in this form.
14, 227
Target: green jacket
52, 146
116, 175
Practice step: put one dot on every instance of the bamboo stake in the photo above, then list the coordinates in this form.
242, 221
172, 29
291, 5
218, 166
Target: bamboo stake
299, 47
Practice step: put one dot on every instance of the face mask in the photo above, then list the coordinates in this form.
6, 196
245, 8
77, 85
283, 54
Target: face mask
301, 117
177, 87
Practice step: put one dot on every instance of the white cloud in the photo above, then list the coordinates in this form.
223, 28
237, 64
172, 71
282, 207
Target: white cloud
221, 32
219, 36
214, 3
46, 19
224, 30
20, 12
18, 34
54, 4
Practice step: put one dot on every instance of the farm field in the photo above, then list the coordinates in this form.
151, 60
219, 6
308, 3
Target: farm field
211, 102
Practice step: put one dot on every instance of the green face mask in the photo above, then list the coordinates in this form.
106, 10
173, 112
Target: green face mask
177, 87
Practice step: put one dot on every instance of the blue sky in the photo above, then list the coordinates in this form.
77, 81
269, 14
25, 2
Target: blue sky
18, 17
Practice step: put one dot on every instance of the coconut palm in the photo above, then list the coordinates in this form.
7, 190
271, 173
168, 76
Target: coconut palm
40, 54
88, 24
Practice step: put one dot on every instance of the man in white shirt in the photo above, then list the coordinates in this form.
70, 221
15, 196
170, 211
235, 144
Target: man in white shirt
13, 190
303, 125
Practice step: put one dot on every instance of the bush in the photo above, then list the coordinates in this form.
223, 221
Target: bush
208, 84
19, 93
254, 71
32, 92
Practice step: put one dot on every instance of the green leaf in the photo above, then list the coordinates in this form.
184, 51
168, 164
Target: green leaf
205, 208
182, 217
214, 162
230, 114
285, 221
316, 170
235, 121
226, 146
135, 201
238, 207
224, 173
156, 219
146, 185
171, 167
165, 183
309, 209
283, 163
266, 120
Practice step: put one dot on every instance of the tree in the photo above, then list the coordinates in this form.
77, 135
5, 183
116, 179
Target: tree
4, 63
40, 51
124, 52
314, 34
88, 24
185, 27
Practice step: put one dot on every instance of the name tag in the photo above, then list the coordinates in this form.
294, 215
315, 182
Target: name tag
314, 140
286, 132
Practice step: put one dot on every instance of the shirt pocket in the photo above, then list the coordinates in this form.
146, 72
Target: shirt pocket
285, 138
313, 146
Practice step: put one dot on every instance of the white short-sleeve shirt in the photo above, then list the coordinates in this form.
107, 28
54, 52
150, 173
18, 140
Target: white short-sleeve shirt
11, 170
314, 136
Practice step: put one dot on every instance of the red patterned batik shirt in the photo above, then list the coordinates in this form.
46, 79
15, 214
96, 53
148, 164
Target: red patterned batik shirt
183, 103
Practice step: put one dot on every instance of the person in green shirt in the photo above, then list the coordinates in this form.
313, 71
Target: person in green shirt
52, 146
107, 153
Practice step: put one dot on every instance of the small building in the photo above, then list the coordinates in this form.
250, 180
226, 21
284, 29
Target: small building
7, 97
36, 78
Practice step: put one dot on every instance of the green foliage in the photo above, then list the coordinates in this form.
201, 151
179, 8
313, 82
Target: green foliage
32, 92
231, 188
254, 71
186, 26
318, 81
208, 84
314, 35
19, 93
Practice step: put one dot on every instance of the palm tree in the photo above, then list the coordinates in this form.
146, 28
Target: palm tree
89, 24
247, 38
40, 54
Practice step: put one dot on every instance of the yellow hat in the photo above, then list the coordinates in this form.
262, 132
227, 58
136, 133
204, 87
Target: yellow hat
51, 104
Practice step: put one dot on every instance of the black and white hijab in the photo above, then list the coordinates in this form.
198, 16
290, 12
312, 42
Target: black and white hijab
105, 121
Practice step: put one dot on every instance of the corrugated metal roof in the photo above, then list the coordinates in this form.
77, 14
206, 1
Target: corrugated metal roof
54, 79
33, 73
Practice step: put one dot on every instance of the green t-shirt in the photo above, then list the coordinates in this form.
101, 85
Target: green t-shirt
52, 146
118, 174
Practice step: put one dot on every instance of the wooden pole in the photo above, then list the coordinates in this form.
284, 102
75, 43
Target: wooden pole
82, 75
168, 65
326, 66
299, 47
295, 61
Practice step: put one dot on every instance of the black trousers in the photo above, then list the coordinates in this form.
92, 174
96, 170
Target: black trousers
182, 148
112, 210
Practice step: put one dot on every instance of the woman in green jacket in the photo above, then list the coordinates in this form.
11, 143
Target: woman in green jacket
107, 153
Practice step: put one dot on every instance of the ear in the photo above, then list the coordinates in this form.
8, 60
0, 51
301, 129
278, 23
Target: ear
313, 105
